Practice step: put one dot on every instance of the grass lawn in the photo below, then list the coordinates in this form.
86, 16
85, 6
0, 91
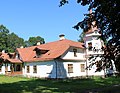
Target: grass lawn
32, 85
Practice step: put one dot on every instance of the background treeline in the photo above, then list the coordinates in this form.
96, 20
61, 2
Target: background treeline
10, 41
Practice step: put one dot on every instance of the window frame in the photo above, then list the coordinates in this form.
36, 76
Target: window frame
90, 46
75, 52
82, 67
34, 69
70, 68
28, 69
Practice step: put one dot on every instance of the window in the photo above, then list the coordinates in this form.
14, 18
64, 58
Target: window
82, 67
98, 65
90, 46
17, 56
18, 67
38, 53
70, 68
75, 52
28, 69
34, 69
96, 31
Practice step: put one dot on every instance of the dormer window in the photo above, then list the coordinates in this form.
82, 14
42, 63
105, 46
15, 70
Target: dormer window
90, 46
39, 52
75, 52
11, 55
17, 56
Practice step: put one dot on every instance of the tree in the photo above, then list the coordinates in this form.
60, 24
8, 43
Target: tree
3, 37
9, 41
106, 13
81, 36
14, 42
34, 40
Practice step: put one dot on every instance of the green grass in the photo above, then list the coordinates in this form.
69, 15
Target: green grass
32, 85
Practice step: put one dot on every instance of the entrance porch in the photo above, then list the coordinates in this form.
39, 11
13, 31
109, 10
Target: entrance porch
13, 67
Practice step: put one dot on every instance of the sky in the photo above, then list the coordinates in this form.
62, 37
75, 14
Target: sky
31, 18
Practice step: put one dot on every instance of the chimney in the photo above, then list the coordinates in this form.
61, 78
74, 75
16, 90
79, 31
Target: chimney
3, 51
62, 36
38, 43
22, 47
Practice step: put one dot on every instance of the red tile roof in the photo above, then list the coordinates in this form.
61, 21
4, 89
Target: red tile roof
89, 31
13, 60
56, 49
6, 58
4, 55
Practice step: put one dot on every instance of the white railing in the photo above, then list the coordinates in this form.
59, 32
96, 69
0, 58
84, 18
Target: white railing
95, 51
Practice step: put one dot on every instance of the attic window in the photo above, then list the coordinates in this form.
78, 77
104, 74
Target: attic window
75, 52
11, 55
17, 56
39, 52
90, 46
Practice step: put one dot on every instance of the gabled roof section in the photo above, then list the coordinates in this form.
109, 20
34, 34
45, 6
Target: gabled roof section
6, 58
4, 55
13, 61
54, 50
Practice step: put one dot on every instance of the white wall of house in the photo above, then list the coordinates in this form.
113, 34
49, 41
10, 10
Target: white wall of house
2, 70
76, 69
70, 54
44, 69
54, 69
92, 72
9, 67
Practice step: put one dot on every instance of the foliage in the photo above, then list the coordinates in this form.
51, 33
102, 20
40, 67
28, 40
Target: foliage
106, 13
3, 37
81, 37
34, 40
14, 42
32, 85
9, 41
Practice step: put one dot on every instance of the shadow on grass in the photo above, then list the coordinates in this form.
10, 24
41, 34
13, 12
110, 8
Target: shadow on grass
51, 86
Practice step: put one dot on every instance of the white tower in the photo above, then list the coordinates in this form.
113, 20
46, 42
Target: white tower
92, 41
93, 46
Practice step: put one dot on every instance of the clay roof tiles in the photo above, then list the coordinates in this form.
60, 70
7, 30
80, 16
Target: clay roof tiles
55, 50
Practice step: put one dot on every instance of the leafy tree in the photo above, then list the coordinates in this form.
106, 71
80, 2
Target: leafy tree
81, 36
9, 42
34, 40
106, 13
14, 42
3, 37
